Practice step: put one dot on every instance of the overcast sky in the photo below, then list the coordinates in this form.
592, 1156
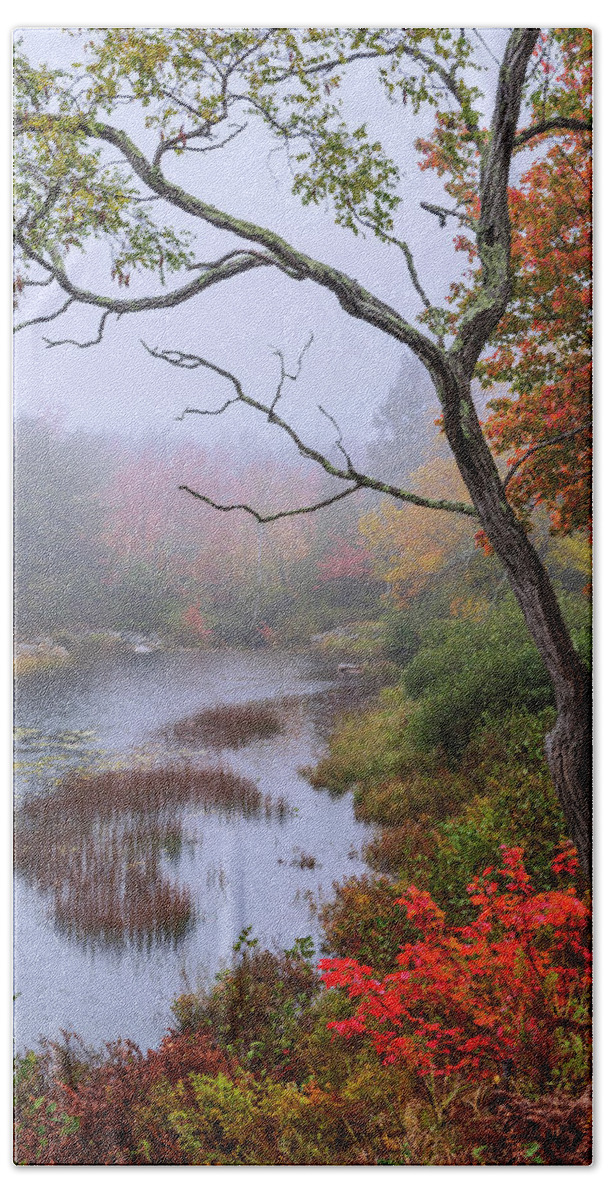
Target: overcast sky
350, 367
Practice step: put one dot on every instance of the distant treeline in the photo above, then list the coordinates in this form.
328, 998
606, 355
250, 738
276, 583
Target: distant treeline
105, 540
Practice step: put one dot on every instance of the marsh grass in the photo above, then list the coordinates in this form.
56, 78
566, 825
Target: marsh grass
97, 845
230, 726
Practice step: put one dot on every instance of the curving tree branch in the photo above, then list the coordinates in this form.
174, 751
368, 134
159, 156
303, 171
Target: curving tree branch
234, 263
551, 441
553, 125
277, 516
351, 295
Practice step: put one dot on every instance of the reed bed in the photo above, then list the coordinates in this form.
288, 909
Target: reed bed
114, 902
106, 882
96, 845
148, 790
229, 726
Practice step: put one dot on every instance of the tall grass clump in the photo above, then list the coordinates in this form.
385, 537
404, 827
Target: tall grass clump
96, 845
229, 726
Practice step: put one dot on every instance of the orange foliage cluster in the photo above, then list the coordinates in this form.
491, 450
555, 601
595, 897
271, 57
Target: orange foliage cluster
410, 546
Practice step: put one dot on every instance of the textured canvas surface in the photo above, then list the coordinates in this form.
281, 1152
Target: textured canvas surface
302, 596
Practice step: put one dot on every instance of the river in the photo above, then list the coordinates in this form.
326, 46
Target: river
240, 869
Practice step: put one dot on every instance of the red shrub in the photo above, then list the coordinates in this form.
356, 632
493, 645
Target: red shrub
503, 997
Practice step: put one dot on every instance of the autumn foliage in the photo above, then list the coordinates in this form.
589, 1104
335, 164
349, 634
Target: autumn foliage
91, 1112
543, 344
501, 998
409, 546
538, 363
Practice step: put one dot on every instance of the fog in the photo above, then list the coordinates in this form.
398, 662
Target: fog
350, 367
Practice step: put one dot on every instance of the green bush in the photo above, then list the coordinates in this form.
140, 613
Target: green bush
511, 802
366, 747
372, 753
362, 921
259, 1007
470, 670
517, 806
401, 638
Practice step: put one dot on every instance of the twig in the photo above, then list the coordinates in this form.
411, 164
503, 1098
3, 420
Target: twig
189, 361
41, 320
81, 345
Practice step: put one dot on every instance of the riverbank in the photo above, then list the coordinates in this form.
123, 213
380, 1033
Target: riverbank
44, 654
352, 650
448, 1022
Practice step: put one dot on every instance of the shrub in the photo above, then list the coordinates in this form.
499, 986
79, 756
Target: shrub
365, 746
515, 1131
470, 670
214, 1121
73, 1107
249, 1121
414, 843
420, 789
516, 804
362, 921
372, 753
505, 997
259, 1008
401, 636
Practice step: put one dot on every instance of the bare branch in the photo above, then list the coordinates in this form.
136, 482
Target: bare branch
42, 320
409, 258
485, 46
339, 443
81, 345
405, 250
285, 374
438, 211
293, 512
180, 358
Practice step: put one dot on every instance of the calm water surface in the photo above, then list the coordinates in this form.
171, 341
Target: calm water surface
241, 871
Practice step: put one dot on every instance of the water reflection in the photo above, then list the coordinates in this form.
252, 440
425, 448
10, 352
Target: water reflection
115, 717
97, 846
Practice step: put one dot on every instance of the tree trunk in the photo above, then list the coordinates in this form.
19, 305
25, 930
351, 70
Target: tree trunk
568, 745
